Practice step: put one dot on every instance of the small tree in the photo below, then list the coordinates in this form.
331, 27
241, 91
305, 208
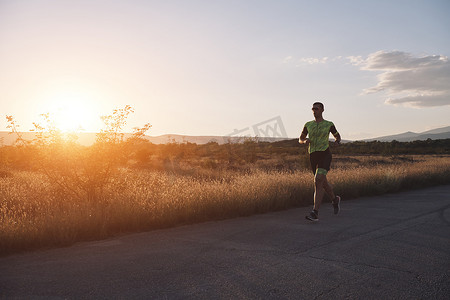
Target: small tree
83, 172
14, 127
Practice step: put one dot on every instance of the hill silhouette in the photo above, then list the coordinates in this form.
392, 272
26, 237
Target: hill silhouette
88, 138
435, 134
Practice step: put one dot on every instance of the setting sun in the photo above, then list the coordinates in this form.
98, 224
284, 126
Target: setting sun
71, 112
70, 117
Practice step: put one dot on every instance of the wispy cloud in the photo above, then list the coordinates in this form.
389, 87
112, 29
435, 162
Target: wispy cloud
305, 60
313, 60
356, 60
408, 80
302, 61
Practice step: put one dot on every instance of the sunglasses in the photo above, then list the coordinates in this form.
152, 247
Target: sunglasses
315, 108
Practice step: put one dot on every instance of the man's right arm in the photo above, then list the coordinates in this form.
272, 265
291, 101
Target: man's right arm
303, 139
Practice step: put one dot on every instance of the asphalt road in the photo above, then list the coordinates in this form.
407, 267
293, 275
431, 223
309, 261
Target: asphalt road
394, 246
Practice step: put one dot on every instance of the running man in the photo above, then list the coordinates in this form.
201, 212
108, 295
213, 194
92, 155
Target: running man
320, 157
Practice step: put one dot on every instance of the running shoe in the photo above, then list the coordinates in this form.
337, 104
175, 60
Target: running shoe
312, 216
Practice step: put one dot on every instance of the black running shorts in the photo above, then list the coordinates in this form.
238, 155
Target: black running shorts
320, 160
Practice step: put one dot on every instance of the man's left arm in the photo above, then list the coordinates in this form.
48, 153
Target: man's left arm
336, 135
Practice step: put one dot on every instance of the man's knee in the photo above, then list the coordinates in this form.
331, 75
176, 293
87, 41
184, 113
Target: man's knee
322, 171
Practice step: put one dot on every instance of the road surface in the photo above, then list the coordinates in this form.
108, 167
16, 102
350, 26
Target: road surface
395, 246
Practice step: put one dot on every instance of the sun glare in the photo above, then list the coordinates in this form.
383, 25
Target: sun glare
73, 113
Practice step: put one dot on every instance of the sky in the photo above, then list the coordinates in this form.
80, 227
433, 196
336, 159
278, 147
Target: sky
218, 67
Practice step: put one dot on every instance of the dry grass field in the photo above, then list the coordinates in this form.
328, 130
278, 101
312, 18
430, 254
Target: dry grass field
38, 210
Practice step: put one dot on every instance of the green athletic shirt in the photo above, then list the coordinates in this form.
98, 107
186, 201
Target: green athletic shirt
319, 134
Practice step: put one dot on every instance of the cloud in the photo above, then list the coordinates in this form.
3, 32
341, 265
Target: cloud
421, 100
287, 59
356, 60
305, 60
408, 80
313, 60
298, 62
397, 60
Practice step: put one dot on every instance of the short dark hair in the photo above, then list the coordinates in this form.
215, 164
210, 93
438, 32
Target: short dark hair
319, 103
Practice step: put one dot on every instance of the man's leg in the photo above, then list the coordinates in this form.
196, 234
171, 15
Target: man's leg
328, 189
324, 166
335, 200
319, 191
319, 181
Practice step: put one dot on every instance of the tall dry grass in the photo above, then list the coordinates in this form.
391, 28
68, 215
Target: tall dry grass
35, 213
376, 179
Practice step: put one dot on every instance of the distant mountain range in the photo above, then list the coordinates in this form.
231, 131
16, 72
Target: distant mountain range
89, 138
435, 134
